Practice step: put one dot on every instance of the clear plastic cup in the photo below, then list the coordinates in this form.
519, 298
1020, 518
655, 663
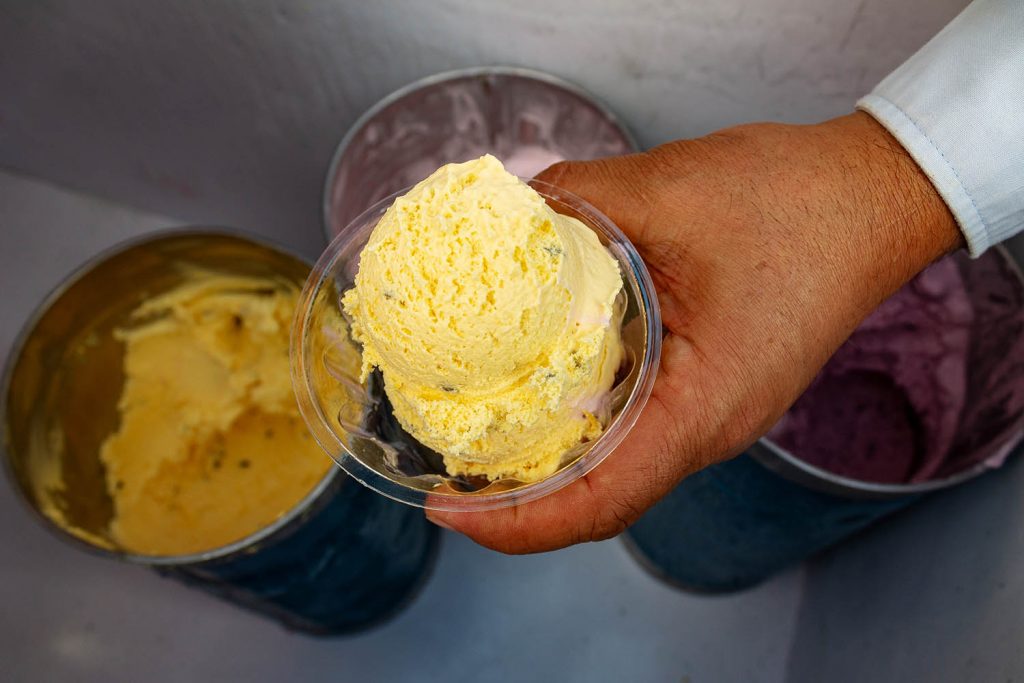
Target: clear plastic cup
346, 416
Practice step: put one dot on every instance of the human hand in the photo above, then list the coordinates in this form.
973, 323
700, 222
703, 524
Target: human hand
768, 244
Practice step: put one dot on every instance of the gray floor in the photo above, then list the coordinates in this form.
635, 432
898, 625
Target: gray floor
584, 614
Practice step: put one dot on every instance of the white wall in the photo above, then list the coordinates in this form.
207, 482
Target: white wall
227, 112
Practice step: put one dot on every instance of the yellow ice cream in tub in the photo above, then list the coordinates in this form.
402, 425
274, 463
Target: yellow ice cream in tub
210, 446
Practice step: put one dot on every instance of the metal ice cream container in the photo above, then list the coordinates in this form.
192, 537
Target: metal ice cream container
341, 559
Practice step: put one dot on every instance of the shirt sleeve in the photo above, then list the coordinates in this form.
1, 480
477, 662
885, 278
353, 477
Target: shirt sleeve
957, 106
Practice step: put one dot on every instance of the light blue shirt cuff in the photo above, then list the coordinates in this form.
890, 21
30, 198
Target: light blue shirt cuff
957, 106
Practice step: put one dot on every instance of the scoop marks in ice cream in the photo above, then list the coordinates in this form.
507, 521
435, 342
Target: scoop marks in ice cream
492, 318
926, 387
210, 447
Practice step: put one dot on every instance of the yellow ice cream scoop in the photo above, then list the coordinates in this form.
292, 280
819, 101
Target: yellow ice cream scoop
492, 318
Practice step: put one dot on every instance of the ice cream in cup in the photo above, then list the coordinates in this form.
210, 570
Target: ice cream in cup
475, 341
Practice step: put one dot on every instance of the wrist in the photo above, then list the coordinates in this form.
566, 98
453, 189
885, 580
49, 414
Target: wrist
902, 222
